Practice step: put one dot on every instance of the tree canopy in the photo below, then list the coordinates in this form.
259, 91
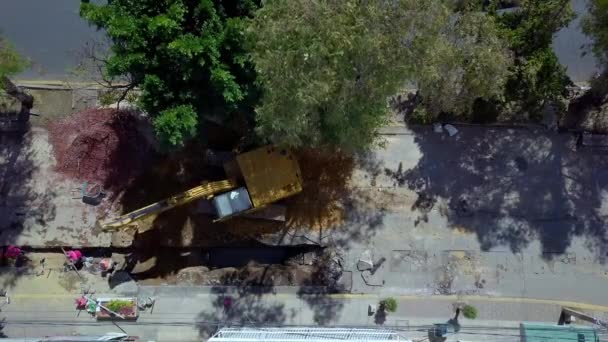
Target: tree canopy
466, 61
186, 57
319, 73
595, 25
328, 67
536, 75
10, 61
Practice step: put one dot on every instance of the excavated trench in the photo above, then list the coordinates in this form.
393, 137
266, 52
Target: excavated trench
260, 265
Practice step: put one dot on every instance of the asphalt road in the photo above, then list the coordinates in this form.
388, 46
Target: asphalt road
568, 43
190, 314
51, 33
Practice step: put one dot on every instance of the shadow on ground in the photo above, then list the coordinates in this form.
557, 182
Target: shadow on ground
329, 211
327, 278
242, 306
21, 204
327, 203
511, 187
588, 110
181, 226
253, 302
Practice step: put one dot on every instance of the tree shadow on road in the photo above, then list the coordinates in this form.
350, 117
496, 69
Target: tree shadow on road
327, 278
242, 306
325, 180
513, 186
330, 211
253, 301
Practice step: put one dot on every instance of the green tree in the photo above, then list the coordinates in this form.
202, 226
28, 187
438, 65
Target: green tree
466, 61
536, 75
389, 304
10, 61
186, 57
595, 25
327, 67
469, 312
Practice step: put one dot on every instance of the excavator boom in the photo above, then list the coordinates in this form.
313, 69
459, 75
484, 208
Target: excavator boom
204, 190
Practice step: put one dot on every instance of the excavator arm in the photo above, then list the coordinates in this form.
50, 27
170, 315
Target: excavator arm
205, 190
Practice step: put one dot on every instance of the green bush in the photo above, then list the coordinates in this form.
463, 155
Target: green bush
117, 305
176, 125
469, 312
420, 116
389, 304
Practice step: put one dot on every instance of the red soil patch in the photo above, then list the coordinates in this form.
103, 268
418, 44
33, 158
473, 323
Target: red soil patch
100, 146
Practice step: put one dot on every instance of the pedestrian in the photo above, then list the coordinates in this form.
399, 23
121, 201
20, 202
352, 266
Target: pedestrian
7, 300
75, 257
12, 252
81, 303
227, 303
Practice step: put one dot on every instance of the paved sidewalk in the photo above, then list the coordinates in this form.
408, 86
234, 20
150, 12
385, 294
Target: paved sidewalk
196, 317
193, 313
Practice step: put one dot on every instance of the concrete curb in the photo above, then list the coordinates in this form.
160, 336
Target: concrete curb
58, 85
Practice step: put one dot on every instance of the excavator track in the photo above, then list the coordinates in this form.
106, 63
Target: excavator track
205, 190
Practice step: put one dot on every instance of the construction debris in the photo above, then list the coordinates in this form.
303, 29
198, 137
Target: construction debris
437, 128
452, 131
372, 279
365, 261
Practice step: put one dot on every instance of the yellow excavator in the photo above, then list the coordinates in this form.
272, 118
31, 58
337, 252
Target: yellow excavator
255, 179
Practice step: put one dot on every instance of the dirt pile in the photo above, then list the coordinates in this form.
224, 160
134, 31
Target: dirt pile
100, 146
252, 274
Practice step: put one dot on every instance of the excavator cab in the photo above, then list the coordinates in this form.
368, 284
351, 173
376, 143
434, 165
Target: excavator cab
267, 174
232, 203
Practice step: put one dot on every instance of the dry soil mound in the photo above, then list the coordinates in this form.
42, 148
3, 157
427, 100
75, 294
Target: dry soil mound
100, 146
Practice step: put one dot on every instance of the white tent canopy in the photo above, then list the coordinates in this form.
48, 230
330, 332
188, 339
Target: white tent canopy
303, 334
